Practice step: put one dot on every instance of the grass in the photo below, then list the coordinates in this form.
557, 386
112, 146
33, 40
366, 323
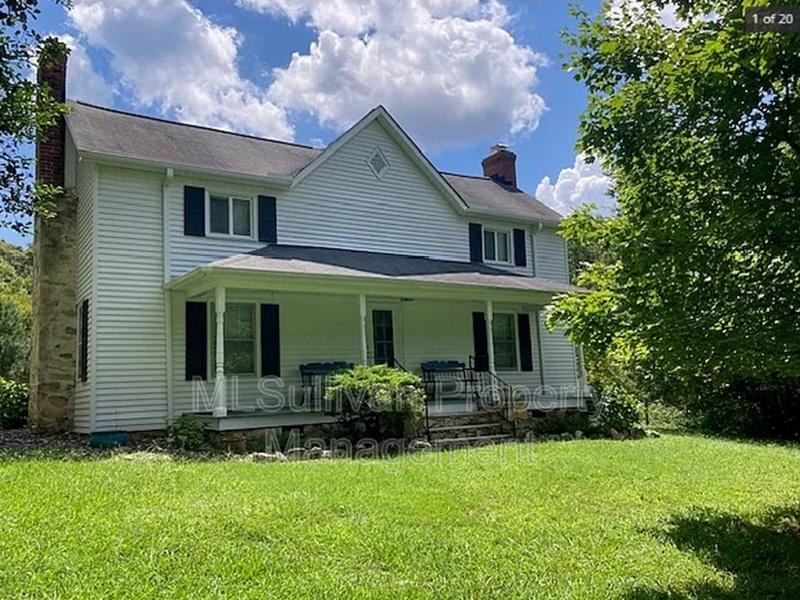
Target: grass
676, 517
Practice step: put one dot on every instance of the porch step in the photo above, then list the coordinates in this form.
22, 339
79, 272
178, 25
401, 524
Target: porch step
463, 418
465, 427
476, 440
465, 431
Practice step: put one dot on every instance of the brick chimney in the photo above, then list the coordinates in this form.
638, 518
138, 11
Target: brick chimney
53, 332
501, 165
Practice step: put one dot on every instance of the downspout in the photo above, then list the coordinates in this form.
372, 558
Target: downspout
168, 176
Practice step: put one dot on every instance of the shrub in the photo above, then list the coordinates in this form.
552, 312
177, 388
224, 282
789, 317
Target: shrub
765, 408
617, 412
562, 422
379, 401
13, 404
15, 326
187, 433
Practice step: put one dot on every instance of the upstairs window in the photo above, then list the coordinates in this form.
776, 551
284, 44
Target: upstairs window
229, 215
496, 246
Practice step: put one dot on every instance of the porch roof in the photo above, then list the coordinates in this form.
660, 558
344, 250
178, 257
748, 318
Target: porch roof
359, 266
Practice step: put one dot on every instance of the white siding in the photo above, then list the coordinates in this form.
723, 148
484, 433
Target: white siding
558, 358
332, 334
551, 255
325, 328
131, 372
85, 189
343, 205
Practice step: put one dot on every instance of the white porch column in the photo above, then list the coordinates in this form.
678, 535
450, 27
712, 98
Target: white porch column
362, 315
490, 334
220, 405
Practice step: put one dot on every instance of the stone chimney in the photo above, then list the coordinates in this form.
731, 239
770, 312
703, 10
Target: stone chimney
501, 165
53, 335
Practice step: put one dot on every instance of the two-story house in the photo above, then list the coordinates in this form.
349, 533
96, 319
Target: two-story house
196, 270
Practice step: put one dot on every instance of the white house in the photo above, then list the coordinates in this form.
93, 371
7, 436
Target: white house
185, 256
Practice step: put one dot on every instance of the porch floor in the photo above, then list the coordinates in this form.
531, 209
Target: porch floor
260, 419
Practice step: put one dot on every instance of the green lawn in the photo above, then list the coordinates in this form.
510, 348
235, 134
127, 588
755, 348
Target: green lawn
676, 517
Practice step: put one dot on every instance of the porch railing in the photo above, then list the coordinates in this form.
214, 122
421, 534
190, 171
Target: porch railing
498, 388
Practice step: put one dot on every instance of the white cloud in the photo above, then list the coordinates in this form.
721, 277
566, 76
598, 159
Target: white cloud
580, 184
446, 69
83, 81
174, 58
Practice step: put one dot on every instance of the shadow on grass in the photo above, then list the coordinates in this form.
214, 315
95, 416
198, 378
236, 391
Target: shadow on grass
762, 555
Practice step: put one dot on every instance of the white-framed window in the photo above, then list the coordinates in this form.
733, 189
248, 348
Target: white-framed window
504, 335
241, 349
497, 245
229, 216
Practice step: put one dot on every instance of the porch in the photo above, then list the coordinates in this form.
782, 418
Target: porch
264, 327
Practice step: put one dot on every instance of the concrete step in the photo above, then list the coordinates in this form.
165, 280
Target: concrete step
476, 440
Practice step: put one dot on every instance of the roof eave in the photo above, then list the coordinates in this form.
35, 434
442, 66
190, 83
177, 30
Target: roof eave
203, 278
272, 179
514, 217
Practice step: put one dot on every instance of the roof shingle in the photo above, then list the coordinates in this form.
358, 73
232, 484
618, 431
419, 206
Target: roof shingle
310, 260
118, 134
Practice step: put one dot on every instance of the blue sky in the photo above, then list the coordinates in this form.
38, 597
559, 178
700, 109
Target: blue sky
458, 75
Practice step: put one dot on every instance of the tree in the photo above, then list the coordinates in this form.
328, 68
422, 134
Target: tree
25, 109
699, 125
15, 311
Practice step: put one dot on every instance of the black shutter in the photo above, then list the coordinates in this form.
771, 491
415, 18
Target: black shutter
270, 340
83, 365
520, 259
524, 340
475, 242
481, 341
196, 340
267, 220
194, 210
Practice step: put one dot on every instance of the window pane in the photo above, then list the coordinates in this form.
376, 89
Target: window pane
218, 215
505, 356
240, 339
239, 357
241, 217
502, 247
505, 341
488, 245
239, 321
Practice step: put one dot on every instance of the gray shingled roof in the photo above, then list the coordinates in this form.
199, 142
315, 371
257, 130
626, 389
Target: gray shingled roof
109, 132
308, 260
488, 196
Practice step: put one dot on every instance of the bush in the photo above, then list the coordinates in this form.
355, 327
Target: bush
766, 408
562, 422
15, 326
13, 404
187, 433
378, 401
615, 412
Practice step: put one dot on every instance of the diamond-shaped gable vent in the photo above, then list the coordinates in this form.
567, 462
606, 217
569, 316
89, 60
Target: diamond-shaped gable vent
378, 163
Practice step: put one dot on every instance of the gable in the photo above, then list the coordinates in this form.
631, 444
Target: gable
343, 203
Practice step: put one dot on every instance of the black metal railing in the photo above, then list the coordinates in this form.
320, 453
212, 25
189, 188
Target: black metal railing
491, 382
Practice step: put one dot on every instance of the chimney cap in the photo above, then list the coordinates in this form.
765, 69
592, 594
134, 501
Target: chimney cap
498, 147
